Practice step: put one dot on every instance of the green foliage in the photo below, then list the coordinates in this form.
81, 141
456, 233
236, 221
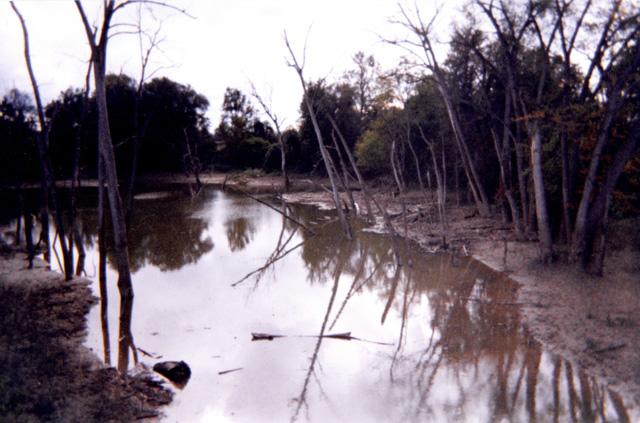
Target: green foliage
373, 152
336, 101
245, 140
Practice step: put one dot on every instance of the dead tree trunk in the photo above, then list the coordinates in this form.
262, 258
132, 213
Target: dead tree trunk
423, 32
277, 122
105, 146
323, 150
440, 185
47, 177
345, 173
361, 182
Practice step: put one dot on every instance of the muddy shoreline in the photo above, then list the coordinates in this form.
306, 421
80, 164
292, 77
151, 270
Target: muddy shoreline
590, 321
46, 374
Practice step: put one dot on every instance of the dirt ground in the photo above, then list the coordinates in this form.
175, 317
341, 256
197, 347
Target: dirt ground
45, 372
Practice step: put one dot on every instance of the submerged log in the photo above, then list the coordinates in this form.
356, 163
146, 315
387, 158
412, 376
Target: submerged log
256, 336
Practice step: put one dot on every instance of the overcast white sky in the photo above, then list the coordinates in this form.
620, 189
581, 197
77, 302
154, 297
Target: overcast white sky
227, 43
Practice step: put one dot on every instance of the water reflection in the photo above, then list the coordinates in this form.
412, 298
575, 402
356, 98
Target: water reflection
458, 351
240, 232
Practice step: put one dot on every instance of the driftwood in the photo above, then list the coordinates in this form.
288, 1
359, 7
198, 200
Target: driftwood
286, 216
345, 336
257, 336
224, 372
281, 256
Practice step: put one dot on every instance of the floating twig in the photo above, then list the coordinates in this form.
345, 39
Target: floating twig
256, 336
224, 372
345, 336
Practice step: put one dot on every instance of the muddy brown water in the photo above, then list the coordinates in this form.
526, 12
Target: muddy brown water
421, 337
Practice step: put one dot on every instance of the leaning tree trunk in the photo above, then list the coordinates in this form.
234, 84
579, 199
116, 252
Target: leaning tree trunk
477, 189
47, 178
344, 180
323, 150
598, 212
105, 144
354, 166
109, 163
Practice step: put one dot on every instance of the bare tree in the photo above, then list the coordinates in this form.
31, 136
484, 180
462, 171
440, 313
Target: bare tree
326, 158
148, 42
48, 186
277, 122
510, 29
98, 42
423, 32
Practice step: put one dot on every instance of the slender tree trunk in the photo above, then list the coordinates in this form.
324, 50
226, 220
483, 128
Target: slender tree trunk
566, 188
102, 264
47, 177
323, 150
28, 237
416, 162
193, 163
395, 167
363, 187
477, 189
513, 207
542, 214
105, 144
440, 185
111, 177
283, 159
345, 174
598, 212
18, 231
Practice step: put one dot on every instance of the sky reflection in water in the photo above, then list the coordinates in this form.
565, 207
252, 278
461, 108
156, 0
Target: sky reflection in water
453, 356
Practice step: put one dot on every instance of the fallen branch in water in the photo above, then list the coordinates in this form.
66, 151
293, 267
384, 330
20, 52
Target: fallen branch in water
256, 336
275, 259
224, 372
281, 256
345, 336
276, 210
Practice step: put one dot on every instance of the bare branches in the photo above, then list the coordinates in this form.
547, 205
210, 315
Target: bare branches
154, 3
91, 33
326, 157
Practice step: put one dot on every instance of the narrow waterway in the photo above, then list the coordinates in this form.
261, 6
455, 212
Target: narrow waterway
371, 329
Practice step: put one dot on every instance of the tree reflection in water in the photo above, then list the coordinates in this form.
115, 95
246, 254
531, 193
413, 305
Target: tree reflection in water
240, 232
475, 349
164, 232
459, 353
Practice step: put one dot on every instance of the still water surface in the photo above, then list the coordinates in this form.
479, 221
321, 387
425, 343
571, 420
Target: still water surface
433, 337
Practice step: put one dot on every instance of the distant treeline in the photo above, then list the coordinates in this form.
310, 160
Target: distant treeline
511, 121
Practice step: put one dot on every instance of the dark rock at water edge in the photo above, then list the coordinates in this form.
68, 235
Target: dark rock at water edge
177, 372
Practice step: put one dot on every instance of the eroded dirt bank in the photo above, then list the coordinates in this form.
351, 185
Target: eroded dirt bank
45, 372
